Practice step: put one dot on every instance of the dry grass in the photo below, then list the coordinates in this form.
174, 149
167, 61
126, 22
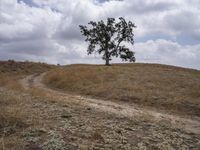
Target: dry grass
12, 118
11, 121
19, 115
10, 81
23, 68
38, 119
11, 72
159, 86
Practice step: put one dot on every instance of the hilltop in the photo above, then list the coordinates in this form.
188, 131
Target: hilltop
11, 71
163, 87
14, 67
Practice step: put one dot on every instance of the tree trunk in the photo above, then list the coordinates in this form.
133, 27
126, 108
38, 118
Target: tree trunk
107, 57
107, 61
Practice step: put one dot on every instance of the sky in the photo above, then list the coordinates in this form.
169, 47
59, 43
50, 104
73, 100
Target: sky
168, 31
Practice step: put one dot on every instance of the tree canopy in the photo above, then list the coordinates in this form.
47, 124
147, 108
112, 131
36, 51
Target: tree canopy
108, 38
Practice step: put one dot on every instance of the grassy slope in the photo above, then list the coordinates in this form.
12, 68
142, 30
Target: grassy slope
11, 71
12, 118
26, 119
23, 68
164, 87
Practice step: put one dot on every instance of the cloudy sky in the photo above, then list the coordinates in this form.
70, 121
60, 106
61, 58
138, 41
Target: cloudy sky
168, 31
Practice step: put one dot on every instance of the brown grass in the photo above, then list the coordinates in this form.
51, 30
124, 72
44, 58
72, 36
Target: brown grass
11, 72
25, 68
11, 121
35, 119
160, 86
12, 118
10, 81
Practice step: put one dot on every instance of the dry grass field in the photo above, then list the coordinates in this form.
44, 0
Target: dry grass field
159, 86
67, 115
12, 112
11, 72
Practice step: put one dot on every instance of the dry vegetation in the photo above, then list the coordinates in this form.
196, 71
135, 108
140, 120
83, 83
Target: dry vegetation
164, 87
40, 119
26, 68
11, 72
12, 119
47, 123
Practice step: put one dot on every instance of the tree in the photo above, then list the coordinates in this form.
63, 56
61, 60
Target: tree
107, 38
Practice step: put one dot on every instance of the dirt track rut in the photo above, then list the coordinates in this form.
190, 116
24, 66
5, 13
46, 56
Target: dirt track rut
119, 109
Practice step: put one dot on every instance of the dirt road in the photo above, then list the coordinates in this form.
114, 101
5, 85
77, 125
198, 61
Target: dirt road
120, 109
117, 125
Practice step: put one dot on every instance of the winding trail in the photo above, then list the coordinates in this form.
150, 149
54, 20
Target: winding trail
119, 109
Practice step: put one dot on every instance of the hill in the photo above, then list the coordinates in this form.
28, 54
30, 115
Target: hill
129, 106
11, 71
26, 68
167, 88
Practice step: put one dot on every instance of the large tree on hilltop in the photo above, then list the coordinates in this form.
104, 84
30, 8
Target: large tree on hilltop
108, 38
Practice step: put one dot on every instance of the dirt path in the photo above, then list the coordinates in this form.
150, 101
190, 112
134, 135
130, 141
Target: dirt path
118, 109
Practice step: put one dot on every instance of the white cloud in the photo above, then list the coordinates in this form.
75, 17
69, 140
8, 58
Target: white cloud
167, 30
21, 22
168, 52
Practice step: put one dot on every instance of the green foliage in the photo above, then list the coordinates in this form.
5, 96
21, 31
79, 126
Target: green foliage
107, 38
